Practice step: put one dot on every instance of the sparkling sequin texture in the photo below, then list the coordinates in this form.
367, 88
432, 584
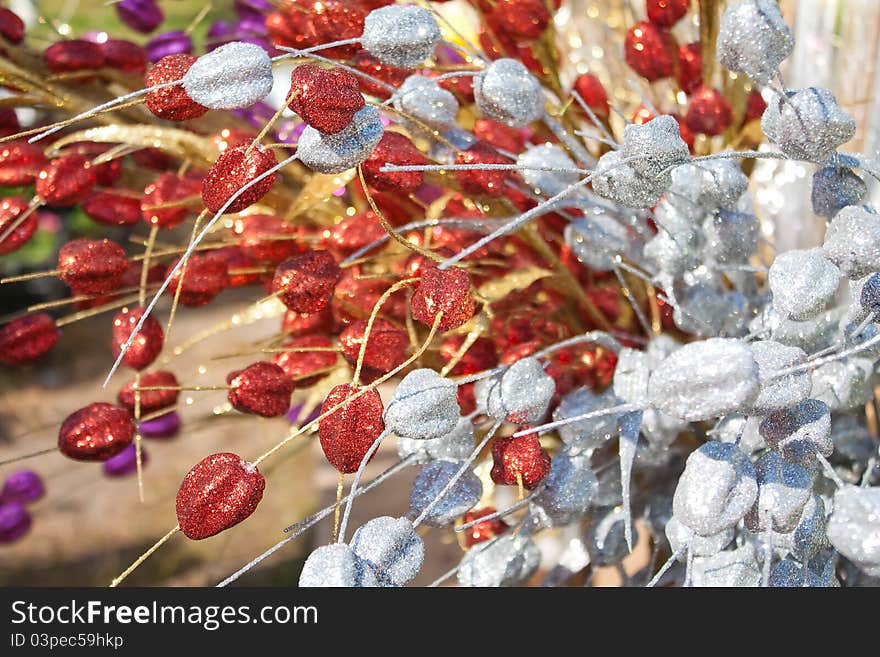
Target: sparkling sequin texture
172, 103
387, 345
96, 432
443, 290
802, 282
344, 150
507, 92
66, 181
92, 266
753, 39
424, 406
394, 148
348, 432
852, 241
432, 479
219, 492
262, 389
336, 565
151, 400
519, 459
392, 549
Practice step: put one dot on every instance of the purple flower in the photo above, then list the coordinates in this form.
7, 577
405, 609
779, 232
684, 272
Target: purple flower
14, 522
23, 486
140, 15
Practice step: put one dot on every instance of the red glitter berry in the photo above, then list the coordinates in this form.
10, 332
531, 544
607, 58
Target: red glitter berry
112, 208
499, 135
92, 267
128, 57
690, 67
523, 19
523, 457
234, 169
262, 388
355, 232
171, 103
20, 163
473, 181
709, 112
755, 107
151, 400
266, 237
593, 93
66, 181
394, 148
296, 323
347, 434
147, 343
165, 191
27, 338
11, 209
482, 531
446, 290
11, 26
666, 13
206, 276
325, 98
337, 21
305, 282
219, 492
96, 432
649, 50
387, 345
306, 368
73, 55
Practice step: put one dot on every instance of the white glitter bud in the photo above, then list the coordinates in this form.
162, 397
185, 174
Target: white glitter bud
597, 238
852, 241
336, 565
590, 433
733, 569
753, 39
567, 490
731, 237
854, 526
836, 187
843, 385
549, 183
656, 146
808, 124
345, 149
509, 560
779, 392
460, 499
391, 547
424, 406
505, 91
234, 75
523, 393
802, 283
703, 380
708, 185
716, 489
800, 432
425, 100
682, 540
783, 490
403, 36
624, 185
454, 446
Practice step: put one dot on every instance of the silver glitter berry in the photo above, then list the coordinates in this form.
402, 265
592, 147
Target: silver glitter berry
807, 124
567, 490
783, 490
708, 186
778, 392
843, 385
656, 147
505, 91
403, 36
790, 573
854, 526
460, 499
703, 380
802, 282
453, 446
731, 237
428, 102
753, 39
345, 149
716, 489
506, 561
624, 185
391, 547
596, 239
605, 538
336, 565
741, 430
549, 183
523, 393
424, 406
852, 241
834, 188
234, 75
800, 432
682, 540
809, 538
592, 432
736, 568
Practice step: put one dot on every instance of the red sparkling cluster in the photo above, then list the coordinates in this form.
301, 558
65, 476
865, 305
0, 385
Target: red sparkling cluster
347, 434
